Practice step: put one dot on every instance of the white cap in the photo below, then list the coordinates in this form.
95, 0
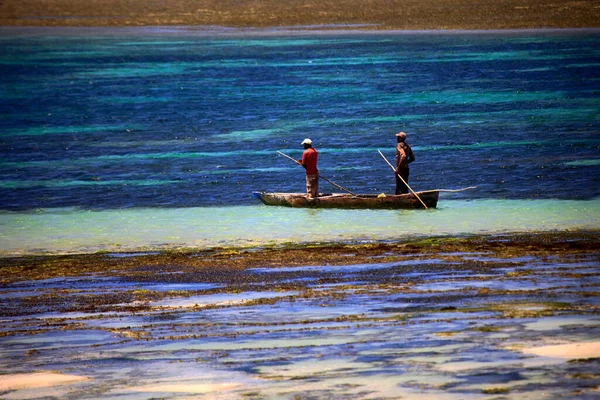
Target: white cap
306, 141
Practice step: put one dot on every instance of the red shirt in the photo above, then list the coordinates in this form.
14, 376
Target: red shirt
309, 161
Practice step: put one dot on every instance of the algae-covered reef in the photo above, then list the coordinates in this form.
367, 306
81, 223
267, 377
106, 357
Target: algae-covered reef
470, 317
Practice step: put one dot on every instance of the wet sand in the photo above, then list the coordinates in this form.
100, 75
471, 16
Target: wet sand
13, 382
515, 316
323, 14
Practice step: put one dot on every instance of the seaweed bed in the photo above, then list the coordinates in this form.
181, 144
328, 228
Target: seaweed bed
508, 316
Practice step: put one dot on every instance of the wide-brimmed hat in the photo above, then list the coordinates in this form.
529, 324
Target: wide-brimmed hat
306, 141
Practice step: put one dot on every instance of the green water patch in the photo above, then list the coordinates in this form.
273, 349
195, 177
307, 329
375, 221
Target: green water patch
494, 56
584, 163
49, 62
469, 97
255, 134
177, 142
151, 229
536, 70
297, 63
514, 143
134, 100
63, 183
60, 130
58, 57
582, 65
136, 70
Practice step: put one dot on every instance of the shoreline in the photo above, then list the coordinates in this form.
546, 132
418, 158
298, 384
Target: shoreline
376, 14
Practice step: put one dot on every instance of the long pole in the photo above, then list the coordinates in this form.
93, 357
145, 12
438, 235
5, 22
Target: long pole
320, 176
406, 183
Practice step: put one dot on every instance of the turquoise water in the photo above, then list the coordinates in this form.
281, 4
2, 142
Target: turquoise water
138, 229
156, 138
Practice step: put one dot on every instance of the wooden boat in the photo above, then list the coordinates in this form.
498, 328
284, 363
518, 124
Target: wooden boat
343, 200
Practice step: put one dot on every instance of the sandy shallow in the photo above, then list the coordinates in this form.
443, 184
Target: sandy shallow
12, 382
568, 350
307, 14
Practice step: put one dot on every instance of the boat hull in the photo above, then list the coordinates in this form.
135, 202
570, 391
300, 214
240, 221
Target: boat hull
359, 201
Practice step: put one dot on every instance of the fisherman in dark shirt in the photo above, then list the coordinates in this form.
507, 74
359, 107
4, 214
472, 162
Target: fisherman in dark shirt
309, 162
404, 156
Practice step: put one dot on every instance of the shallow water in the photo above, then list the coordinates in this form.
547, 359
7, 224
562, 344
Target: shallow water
77, 231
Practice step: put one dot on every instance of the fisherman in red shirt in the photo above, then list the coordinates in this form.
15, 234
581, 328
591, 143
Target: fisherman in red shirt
309, 162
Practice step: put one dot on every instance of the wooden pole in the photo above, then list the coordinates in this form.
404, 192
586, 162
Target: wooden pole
320, 176
406, 183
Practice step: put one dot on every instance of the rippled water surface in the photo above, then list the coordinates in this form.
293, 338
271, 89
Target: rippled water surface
148, 137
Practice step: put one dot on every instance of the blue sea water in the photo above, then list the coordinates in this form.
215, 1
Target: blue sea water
147, 138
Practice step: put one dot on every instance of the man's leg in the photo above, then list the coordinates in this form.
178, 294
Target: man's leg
315, 186
401, 187
312, 186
